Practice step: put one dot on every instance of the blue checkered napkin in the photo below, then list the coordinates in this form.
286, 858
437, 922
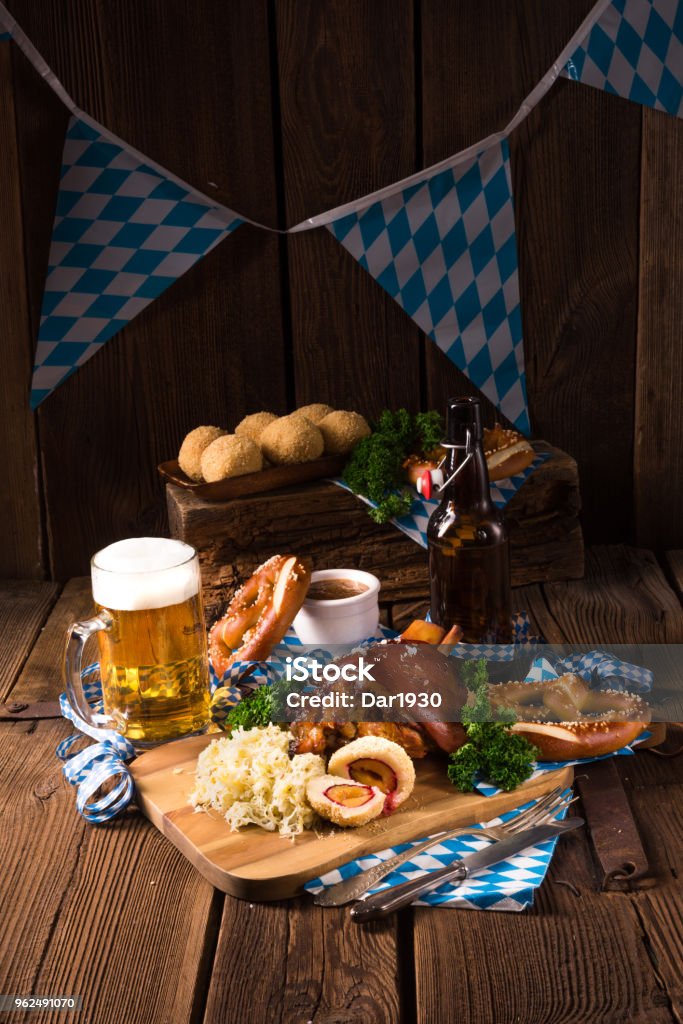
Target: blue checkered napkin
445, 250
122, 234
509, 885
636, 51
414, 525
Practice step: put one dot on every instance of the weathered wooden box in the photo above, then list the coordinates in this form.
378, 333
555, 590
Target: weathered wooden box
331, 525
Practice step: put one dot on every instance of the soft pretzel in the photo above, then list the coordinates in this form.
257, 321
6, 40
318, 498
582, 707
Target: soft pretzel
260, 613
565, 719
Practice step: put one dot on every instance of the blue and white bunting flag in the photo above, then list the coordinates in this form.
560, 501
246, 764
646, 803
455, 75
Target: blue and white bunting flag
635, 50
123, 232
6, 24
445, 250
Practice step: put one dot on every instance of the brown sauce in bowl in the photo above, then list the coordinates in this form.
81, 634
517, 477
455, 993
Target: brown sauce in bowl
335, 589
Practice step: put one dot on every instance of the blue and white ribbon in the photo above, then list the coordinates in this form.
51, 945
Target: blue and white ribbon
97, 766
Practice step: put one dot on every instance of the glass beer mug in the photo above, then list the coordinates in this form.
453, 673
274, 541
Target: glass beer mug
150, 628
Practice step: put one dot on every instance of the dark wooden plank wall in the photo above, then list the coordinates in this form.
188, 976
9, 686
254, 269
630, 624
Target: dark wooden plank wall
285, 108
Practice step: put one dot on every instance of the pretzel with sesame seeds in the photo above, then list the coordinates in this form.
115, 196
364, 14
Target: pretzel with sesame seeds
260, 613
565, 719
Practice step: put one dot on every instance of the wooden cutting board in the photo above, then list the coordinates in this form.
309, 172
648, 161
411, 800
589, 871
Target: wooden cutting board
257, 865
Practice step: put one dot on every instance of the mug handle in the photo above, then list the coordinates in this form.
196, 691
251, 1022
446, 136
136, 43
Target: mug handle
76, 637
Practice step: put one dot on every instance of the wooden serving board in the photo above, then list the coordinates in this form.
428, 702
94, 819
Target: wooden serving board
271, 479
257, 865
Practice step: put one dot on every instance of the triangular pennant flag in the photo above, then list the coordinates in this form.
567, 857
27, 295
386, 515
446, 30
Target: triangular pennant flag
445, 250
6, 23
635, 50
123, 232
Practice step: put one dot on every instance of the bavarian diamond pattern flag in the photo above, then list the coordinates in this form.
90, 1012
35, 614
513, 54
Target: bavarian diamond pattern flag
123, 232
636, 51
445, 250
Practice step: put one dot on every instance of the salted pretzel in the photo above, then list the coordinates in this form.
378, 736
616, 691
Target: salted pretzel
565, 719
260, 613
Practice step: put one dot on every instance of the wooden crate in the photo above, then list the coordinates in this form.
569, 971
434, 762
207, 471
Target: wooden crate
326, 522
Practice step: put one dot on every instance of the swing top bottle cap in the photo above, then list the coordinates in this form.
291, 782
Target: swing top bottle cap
464, 414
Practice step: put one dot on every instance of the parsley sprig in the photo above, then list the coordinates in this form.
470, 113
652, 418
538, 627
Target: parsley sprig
375, 468
500, 755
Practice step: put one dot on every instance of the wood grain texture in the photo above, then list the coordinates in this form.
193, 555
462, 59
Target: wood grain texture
572, 957
21, 550
624, 599
41, 677
24, 607
322, 969
577, 237
674, 562
348, 127
113, 914
659, 366
211, 348
256, 865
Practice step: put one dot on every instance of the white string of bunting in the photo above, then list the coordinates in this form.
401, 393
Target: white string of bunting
441, 242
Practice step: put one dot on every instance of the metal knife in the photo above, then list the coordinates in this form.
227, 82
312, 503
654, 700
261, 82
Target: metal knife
388, 900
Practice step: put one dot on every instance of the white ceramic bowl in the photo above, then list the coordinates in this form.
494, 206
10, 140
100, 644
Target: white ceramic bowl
346, 620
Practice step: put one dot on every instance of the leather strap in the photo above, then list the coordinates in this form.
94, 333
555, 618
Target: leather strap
21, 710
613, 831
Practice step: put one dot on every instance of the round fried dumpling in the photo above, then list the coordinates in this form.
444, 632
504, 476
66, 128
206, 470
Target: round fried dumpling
192, 449
291, 439
375, 761
314, 412
344, 802
252, 426
342, 431
230, 456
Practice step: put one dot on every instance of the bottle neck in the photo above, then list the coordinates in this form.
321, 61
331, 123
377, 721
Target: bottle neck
469, 478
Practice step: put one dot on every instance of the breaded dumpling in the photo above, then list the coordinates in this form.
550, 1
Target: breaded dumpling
192, 448
342, 431
253, 426
230, 456
314, 412
291, 439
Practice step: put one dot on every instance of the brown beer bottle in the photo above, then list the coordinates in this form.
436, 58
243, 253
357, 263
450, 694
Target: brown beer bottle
469, 566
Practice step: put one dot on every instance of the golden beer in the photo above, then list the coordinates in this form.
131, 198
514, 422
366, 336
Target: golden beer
150, 628
154, 671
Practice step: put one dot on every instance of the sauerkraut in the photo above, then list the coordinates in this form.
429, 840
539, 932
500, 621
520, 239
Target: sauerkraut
251, 780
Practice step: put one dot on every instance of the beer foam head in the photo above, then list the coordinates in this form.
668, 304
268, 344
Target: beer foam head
144, 572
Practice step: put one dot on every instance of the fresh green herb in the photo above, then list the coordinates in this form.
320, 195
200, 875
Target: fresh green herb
429, 429
393, 506
475, 676
375, 468
253, 711
500, 755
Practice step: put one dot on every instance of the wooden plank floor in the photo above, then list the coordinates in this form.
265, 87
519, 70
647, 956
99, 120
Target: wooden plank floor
114, 913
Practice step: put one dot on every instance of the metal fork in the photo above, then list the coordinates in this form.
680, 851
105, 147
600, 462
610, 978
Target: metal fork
545, 809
